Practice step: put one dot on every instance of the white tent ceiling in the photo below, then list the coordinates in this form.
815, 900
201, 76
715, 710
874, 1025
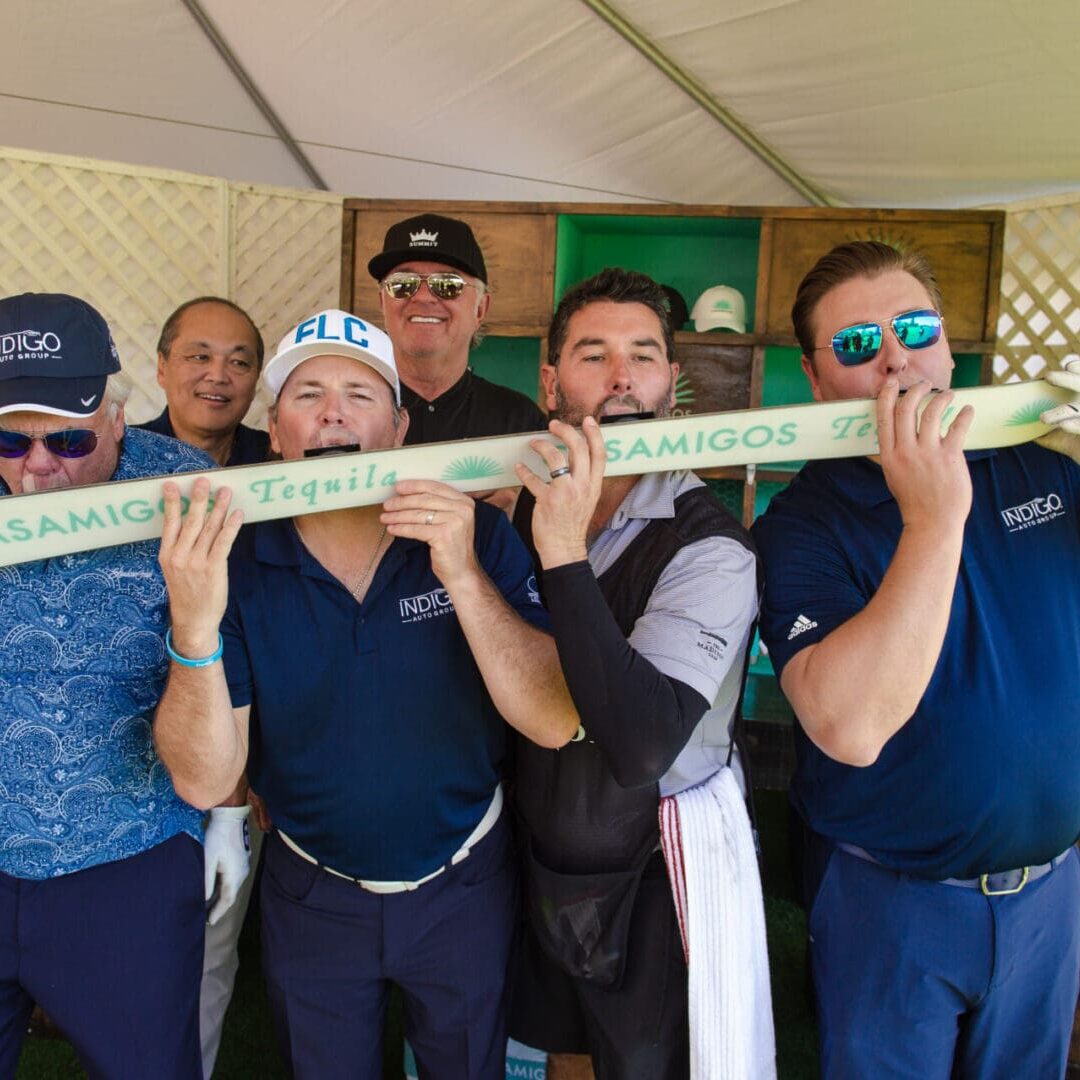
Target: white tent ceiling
929, 103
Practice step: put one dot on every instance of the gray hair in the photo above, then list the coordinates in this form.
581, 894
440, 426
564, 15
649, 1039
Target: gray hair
118, 388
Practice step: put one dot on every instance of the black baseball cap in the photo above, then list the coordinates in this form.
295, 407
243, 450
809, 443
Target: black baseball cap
56, 354
677, 309
431, 238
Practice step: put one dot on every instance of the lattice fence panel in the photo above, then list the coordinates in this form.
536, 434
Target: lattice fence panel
135, 243
138, 242
286, 260
1039, 321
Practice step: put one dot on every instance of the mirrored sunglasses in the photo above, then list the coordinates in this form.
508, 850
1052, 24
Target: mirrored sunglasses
70, 443
860, 343
402, 284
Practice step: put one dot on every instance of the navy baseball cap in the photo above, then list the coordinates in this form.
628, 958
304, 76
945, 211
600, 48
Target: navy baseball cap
56, 355
430, 238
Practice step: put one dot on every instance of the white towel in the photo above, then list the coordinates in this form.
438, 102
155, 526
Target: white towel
709, 850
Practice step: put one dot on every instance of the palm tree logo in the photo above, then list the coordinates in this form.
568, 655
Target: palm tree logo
471, 468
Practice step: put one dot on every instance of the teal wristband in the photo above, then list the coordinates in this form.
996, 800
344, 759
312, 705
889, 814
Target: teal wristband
185, 661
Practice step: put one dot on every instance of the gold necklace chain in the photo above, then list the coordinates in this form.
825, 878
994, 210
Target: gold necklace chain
361, 581
357, 587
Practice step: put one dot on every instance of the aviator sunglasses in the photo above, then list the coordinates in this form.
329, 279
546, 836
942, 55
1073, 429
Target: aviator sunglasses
403, 284
857, 344
70, 443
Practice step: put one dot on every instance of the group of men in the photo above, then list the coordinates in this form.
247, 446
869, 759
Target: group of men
591, 651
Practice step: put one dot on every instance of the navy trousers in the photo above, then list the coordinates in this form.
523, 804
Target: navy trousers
331, 950
114, 955
929, 981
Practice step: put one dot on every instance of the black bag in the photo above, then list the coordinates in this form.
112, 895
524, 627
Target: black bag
582, 921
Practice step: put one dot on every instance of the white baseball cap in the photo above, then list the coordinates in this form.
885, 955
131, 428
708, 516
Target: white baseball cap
333, 333
720, 308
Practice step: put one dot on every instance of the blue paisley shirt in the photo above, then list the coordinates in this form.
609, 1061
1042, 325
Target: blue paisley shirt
82, 666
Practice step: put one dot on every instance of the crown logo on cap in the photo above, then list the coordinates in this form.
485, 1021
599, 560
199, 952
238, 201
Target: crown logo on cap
427, 239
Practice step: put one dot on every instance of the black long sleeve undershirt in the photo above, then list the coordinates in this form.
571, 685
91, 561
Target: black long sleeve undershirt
638, 716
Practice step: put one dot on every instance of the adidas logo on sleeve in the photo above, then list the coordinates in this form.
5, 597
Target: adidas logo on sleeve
800, 626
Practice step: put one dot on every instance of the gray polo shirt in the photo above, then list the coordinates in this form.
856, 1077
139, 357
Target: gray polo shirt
695, 624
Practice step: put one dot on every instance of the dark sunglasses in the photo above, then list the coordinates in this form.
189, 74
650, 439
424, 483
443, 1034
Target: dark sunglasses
854, 345
403, 283
70, 443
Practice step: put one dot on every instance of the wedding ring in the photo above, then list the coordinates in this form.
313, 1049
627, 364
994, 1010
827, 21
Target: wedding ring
562, 470
430, 517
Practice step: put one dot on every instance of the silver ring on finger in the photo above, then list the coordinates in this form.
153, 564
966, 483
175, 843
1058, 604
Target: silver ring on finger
430, 517
562, 470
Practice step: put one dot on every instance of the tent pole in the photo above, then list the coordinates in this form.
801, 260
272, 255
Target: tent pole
253, 92
696, 90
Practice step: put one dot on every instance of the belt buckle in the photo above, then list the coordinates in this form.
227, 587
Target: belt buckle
984, 884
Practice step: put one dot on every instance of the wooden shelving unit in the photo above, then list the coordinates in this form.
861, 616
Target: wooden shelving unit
534, 251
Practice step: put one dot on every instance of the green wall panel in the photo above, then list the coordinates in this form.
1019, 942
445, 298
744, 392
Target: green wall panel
509, 361
690, 254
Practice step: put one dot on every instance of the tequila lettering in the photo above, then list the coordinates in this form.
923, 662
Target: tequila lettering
842, 426
279, 489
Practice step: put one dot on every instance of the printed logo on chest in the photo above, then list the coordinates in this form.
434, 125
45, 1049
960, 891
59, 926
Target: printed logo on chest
429, 605
1038, 511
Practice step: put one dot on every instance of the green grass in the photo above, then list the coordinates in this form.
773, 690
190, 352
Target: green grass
249, 1049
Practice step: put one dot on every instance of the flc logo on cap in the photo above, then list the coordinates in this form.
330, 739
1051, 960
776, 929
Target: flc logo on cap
351, 329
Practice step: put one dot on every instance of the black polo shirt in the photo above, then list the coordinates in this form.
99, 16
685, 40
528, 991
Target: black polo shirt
471, 408
250, 445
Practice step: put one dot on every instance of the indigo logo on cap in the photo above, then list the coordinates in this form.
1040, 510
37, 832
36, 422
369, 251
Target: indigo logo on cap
28, 345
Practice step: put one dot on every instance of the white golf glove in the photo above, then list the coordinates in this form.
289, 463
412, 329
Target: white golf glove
1065, 437
1066, 416
227, 855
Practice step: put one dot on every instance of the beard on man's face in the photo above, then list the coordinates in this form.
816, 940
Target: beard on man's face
573, 414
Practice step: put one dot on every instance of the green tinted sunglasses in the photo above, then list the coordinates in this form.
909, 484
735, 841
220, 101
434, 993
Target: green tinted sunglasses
860, 343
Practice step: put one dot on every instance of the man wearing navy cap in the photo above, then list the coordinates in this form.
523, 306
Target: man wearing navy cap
372, 650
922, 611
433, 289
101, 865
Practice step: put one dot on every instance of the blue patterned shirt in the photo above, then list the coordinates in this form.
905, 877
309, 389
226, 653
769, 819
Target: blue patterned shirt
82, 666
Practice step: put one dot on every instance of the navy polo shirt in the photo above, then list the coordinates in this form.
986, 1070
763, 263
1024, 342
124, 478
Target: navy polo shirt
986, 775
374, 741
250, 445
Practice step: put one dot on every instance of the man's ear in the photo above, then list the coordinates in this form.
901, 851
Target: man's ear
482, 307
117, 419
549, 379
402, 427
271, 427
811, 374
